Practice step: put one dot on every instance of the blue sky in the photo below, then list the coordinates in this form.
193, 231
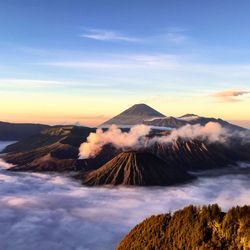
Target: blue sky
105, 55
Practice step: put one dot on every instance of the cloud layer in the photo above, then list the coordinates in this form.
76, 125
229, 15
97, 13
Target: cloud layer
52, 211
40, 211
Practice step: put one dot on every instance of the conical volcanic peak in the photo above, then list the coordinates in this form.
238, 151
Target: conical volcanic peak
142, 109
136, 114
136, 168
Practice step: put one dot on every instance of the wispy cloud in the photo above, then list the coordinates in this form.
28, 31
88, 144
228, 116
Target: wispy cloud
114, 62
173, 35
176, 29
95, 65
108, 35
176, 37
159, 60
35, 83
17, 84
230, 95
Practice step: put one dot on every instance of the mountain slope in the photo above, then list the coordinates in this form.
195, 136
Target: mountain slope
134, 115
136, 168
143, 114
54, 149
18, 131
192, 228
173, 122
192, 155
169, 122
225, 124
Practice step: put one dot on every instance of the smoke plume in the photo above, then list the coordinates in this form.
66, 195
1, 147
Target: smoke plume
95, 141
136, 138
212, 132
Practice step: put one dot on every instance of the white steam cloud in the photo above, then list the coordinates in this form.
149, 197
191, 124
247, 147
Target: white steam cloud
5, 165
137, 137
212, 131
114, 136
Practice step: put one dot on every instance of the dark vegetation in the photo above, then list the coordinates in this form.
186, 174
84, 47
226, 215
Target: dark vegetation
193, 227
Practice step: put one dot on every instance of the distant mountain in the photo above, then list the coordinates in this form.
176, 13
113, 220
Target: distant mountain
136, 168
55, 149
188, 116
136, 114
168, 122
193, 227
225, 124
173, 122
143, 114
18, 131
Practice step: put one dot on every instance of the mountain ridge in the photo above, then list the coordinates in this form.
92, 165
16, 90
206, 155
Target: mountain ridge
136, 114
144, 114
17, 131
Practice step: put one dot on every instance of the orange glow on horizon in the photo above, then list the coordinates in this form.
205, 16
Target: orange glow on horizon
94, 110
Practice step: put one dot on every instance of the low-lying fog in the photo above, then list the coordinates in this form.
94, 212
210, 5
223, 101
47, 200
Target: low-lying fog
52, 211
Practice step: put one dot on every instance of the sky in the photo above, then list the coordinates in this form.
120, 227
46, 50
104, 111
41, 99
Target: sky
68, 61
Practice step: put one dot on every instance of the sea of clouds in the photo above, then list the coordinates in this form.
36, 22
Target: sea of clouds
53, 211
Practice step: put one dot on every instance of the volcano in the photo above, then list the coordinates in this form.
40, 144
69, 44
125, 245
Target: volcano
136, 168
136, 114
196, 155
144, 114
